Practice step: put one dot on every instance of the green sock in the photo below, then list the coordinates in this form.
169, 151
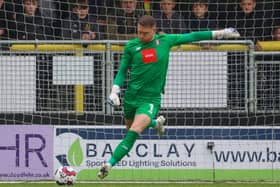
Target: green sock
152, 124
124, 147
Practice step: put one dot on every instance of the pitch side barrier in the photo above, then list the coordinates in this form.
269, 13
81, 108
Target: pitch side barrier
75, 77
267, 69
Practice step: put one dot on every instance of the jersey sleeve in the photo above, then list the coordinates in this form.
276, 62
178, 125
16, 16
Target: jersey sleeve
122, 72
178, 39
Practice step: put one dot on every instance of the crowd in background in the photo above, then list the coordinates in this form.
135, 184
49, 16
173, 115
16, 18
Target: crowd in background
107, 19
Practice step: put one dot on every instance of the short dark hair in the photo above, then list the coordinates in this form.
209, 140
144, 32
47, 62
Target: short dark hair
253, 1
31, 1
147, 21
83, 4
205, 2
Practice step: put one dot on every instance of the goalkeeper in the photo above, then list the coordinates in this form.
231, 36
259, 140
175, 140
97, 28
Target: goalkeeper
147, 58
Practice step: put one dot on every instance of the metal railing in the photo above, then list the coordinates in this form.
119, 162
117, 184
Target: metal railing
241, 84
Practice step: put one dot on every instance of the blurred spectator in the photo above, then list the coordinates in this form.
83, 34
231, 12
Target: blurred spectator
249, 21
47, 7
80, 25
276, 33
123, 25
6, 13
247, 6
30, 24
97, 10
200, 19
3, 21
168, 20
100, 9
275, 37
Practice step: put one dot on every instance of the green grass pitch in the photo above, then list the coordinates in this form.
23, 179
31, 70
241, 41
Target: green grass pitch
143, 185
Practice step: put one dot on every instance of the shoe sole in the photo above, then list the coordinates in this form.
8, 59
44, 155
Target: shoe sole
161, 129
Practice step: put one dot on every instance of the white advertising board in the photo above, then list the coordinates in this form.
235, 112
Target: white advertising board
71, 70
196, 80
18, 83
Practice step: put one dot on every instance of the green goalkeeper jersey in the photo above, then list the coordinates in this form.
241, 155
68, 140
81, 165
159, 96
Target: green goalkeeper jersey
148, 63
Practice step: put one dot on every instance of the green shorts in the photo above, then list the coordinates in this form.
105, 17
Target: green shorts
137, 103
133, 108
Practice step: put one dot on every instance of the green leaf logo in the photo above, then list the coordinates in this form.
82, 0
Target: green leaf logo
75, 154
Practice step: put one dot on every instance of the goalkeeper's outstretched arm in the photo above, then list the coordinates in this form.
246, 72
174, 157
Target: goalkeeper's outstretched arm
228, 33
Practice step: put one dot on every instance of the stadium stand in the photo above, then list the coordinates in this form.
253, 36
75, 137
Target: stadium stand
221, 101
109, 15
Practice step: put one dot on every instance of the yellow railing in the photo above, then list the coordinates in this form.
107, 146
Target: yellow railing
269, 45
